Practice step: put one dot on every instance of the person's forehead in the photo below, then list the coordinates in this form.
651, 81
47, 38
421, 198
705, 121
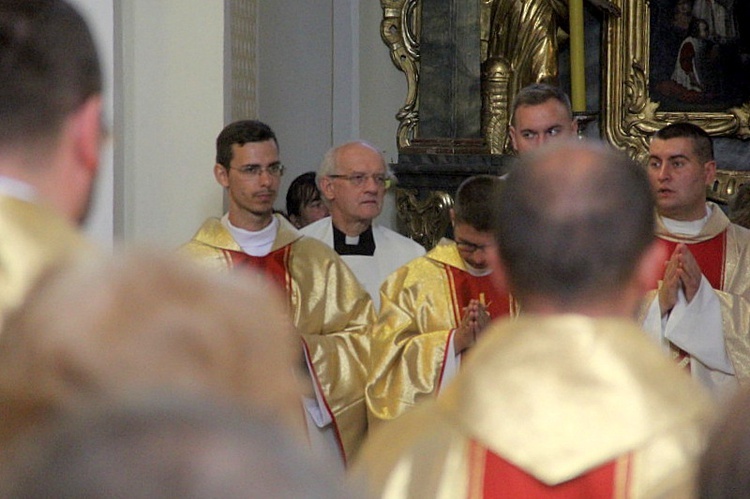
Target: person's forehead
264, 151
360, 159
677, 146
549, 112
469, 234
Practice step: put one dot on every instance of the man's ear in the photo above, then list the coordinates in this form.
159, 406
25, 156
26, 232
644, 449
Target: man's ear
499, 275
452, 214
650, 267
512, 133
710, 169
575, 126
221, 175
88, 133
326, 188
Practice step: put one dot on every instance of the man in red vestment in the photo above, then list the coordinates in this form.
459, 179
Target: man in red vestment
331, 311
436, 306
701, 309
570, 399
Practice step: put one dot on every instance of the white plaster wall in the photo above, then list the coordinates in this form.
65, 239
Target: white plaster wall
382, 91
382, 86
295, 62
169, 111
325, 77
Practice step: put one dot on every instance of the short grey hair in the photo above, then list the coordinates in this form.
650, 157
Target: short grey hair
328, 164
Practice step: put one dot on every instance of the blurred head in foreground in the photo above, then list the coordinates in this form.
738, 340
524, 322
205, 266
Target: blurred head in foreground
113, 329
724, 466
165, 447
578, 238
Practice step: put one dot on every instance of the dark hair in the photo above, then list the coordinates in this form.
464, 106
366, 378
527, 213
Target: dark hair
573, 221
240, 133
703, 145
472, 198
302, 191
48, 67
539, 93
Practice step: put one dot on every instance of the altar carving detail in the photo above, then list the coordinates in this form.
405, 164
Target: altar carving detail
519, 44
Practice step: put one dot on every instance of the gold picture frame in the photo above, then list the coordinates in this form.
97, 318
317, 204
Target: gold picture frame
400, 29
629, 117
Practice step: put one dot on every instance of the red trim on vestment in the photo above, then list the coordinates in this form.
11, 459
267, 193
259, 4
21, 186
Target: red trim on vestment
502, 479
314, 375
275, 265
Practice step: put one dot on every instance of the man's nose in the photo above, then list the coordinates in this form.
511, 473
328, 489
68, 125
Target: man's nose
664, 171
371, 183
265, 176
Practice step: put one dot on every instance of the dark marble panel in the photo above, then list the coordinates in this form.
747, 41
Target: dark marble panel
449, 88
445, 172
732, 154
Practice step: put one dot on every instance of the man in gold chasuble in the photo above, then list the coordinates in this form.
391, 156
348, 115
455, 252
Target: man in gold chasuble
50, 134
436, 306
331, 311
570, 398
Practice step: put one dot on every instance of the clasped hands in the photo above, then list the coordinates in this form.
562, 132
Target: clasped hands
682, 271
475, 319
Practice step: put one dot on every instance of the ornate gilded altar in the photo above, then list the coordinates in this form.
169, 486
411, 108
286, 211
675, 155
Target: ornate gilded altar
462, 132
517, 42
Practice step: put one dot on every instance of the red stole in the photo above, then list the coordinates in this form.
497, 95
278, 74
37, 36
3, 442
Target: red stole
465, 287
274, 265
494, 477
710, 257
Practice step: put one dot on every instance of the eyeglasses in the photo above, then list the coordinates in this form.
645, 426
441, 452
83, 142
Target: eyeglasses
359, 179
471, 247
275, 170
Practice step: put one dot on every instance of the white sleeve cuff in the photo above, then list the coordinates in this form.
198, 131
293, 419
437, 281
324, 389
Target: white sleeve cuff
696, 328
316, 407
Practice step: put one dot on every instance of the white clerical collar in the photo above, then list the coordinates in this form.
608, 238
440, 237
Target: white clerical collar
477, 272
17, 189
686, 228
257, 243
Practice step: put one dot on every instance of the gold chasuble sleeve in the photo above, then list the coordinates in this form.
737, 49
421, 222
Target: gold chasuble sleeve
334, 316
331, 311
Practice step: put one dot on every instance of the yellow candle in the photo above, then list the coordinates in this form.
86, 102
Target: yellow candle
577, 57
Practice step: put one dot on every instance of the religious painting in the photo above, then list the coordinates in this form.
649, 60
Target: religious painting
700, 54
677, 60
